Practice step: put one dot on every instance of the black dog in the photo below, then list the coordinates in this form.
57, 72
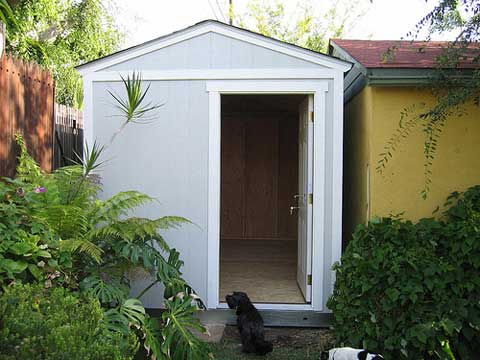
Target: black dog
250, 324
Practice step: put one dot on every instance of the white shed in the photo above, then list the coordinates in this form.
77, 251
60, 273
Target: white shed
248, 146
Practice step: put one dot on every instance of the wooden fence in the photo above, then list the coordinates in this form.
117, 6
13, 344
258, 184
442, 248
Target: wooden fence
27, 95
68, 135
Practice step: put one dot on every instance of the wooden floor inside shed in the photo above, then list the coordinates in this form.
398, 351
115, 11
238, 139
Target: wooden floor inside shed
264, 269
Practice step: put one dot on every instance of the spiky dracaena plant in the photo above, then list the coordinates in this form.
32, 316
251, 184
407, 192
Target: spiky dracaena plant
6, 14
108, 244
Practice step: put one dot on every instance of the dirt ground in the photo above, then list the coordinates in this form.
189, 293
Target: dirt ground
288, 343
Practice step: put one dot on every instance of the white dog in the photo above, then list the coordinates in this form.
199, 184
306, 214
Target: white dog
348, 353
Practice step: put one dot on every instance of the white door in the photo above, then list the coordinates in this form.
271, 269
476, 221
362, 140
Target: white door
305, 175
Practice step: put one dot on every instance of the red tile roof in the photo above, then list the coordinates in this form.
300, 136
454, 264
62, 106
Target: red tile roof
406, 54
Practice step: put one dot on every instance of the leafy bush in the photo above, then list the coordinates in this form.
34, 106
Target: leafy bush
58, 232
412, 290
54, 323
29, 250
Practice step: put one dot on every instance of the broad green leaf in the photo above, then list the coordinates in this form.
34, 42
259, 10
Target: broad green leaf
13, 267
35, 271
21, 248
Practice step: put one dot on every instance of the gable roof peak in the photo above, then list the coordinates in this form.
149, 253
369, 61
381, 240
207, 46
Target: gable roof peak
215, 26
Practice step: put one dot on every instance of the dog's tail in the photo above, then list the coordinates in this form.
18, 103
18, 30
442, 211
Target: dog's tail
263, 347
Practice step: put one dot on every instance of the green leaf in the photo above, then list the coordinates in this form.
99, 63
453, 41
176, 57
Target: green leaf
21, 248
153, 339
392, 294
35, 271
114, 321
44, 254
107, 288
13, 267
178, 322
134, 311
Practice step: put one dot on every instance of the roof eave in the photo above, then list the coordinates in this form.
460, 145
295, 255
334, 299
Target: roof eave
408, 76
393, 77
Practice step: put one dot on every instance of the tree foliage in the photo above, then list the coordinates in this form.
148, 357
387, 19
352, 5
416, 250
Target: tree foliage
61, 35
454, 83
307, 27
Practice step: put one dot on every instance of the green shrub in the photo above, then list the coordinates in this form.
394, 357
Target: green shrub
29, 249
54, 230
412, 290
38, 323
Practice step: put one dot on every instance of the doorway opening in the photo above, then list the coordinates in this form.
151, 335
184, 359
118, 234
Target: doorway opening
265, 226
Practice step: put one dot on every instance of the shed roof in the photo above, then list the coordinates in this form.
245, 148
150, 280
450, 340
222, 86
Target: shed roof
221, 28
403, 54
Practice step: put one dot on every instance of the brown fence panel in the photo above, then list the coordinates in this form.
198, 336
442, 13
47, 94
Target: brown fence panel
68, 135
26, 106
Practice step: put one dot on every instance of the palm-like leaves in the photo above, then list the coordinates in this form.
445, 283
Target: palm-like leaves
92, 162
6, 14
133, 107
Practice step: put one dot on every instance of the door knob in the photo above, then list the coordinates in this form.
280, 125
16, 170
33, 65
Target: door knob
293, 208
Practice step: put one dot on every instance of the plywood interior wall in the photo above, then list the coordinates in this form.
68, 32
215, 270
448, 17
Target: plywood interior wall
259, 166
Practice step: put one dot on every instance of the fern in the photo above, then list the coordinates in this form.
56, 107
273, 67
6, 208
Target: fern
120, 205
67, 220
138, 229
83, 245
27, 170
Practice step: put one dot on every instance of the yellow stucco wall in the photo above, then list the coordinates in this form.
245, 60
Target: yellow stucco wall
376, 110
356, 160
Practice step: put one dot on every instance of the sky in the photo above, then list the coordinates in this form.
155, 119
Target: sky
143, 20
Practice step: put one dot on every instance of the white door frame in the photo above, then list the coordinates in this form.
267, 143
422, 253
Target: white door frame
317, 88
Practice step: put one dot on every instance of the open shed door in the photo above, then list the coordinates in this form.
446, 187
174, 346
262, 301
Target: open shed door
304, 198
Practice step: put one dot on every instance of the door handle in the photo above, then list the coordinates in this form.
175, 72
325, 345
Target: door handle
293, 208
